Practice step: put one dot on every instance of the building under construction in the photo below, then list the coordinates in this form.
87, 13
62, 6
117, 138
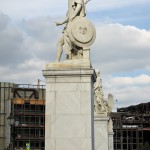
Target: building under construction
27, 104
131, 127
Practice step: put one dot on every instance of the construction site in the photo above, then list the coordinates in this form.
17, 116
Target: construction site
131, 126
26, 105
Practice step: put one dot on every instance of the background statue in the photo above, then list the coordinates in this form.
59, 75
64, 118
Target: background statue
99, 96
100, 104
75, 8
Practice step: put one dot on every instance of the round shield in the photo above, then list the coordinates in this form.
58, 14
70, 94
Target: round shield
81, 32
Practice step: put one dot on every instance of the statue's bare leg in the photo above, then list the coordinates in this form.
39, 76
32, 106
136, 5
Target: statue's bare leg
59, 49
68, 46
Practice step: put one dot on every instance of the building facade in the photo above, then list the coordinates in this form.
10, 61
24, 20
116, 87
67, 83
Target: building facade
27, 104
131, 127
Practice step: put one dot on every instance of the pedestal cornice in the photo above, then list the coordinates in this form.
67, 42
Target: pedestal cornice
84, 72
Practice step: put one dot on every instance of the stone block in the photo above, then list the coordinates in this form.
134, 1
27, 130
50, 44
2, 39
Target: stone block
101, 133
84, 87
68, 126
53, 126
50, 144
73, 79
50, 103
61, 87
68, 144
86, 144
68, 79
51, 87
48, 126
67, 103
88, 126
71, 64
86, 53
85, 102
111, 142
50, 80
85, 79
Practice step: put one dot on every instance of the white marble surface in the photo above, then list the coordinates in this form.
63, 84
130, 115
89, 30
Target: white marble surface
67, 144
85, 105
50, 144
101, 133
111, 141
69, 105
70, 64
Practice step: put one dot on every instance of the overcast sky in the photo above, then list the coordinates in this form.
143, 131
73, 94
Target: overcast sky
28, 38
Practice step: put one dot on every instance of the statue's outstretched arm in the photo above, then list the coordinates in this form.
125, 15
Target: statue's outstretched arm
63, 22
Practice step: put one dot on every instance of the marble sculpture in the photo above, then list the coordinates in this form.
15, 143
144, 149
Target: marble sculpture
78, 33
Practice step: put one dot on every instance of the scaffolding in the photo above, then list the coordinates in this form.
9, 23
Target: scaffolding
126, 136
131, 127
28, 105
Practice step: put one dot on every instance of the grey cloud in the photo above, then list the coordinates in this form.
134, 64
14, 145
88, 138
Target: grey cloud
41, 28
21, 76
43, 35
11, 51
4, 19
127, 90
121, 48
25, 45
33, 38
128, 95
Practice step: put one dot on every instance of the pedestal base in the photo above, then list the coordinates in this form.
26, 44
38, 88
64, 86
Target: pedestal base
111, 140
69, 122
101, 132
103, 137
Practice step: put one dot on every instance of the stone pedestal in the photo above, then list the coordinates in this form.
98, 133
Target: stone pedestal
111, 141
101, 133
69, 123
